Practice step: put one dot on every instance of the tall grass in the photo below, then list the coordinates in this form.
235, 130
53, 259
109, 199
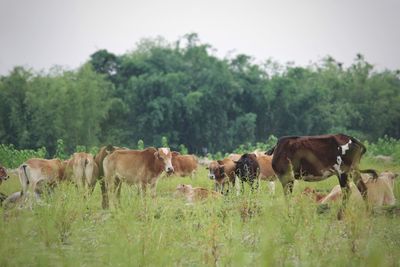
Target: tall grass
247, 230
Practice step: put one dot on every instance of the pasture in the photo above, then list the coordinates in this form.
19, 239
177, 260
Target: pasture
256, 229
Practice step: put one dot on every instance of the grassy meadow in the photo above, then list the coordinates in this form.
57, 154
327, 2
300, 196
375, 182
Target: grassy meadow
256, 229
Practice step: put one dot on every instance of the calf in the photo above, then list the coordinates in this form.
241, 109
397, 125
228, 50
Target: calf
379, 190
193, 194
223, 173
247, 170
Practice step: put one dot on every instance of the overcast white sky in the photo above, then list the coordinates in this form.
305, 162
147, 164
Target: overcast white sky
42, 33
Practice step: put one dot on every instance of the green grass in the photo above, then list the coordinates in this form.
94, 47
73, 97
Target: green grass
247, 230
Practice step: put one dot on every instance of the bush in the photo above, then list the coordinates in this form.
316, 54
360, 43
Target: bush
12, 158
386, 146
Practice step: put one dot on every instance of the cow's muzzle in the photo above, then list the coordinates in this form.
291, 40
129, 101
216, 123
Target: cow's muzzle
170, 170
211, 176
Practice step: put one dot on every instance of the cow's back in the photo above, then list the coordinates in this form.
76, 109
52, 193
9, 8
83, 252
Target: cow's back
184, 164
132, 166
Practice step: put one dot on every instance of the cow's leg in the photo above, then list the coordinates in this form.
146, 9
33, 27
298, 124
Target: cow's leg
110, 188
242, 187
104, 194
287, 179
153, 188
117, 188
143, 186
360, 184
287, 187
345, 187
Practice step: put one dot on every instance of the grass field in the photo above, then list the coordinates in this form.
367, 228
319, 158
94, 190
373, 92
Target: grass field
247, 230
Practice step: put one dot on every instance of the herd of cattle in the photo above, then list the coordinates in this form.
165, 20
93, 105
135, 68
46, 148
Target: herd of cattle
309, 158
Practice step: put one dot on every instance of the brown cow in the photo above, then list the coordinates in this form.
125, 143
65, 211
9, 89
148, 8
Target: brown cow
223, 173
266, 171
315, 158
193, 194
234, 157
82, 170
99, 158
37, 173
135, 167
184, 165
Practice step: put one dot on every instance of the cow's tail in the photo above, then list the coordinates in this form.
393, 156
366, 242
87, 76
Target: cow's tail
361, 145
24, 178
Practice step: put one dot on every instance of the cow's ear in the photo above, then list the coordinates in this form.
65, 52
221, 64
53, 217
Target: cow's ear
220, 162
175, 153
156, 154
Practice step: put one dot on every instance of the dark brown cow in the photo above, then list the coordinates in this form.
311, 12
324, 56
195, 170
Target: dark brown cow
315, 158
247, 170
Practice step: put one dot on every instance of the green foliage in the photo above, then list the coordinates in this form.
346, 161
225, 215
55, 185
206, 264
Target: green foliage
80, 148
182, 92
60, 150
183, 149
164, 142
140, 144
385, 146
10, 157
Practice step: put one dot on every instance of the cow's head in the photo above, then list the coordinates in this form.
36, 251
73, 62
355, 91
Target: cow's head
164, 155
216, 170
3, 174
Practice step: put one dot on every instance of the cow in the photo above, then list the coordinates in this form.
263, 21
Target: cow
184, 165
247, 170
193, 194
99, 158
379, 190
223, 173
315, 158
234, 157
266, 171
39, 173
82, 170
141, 167
3, 174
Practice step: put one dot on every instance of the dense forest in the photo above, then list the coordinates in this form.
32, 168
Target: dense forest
182, 91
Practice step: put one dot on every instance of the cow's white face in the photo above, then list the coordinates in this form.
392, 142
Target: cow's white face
164, 154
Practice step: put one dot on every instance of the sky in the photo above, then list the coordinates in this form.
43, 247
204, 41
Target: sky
42, 33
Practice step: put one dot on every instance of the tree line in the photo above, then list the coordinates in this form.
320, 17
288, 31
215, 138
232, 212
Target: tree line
182, 91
